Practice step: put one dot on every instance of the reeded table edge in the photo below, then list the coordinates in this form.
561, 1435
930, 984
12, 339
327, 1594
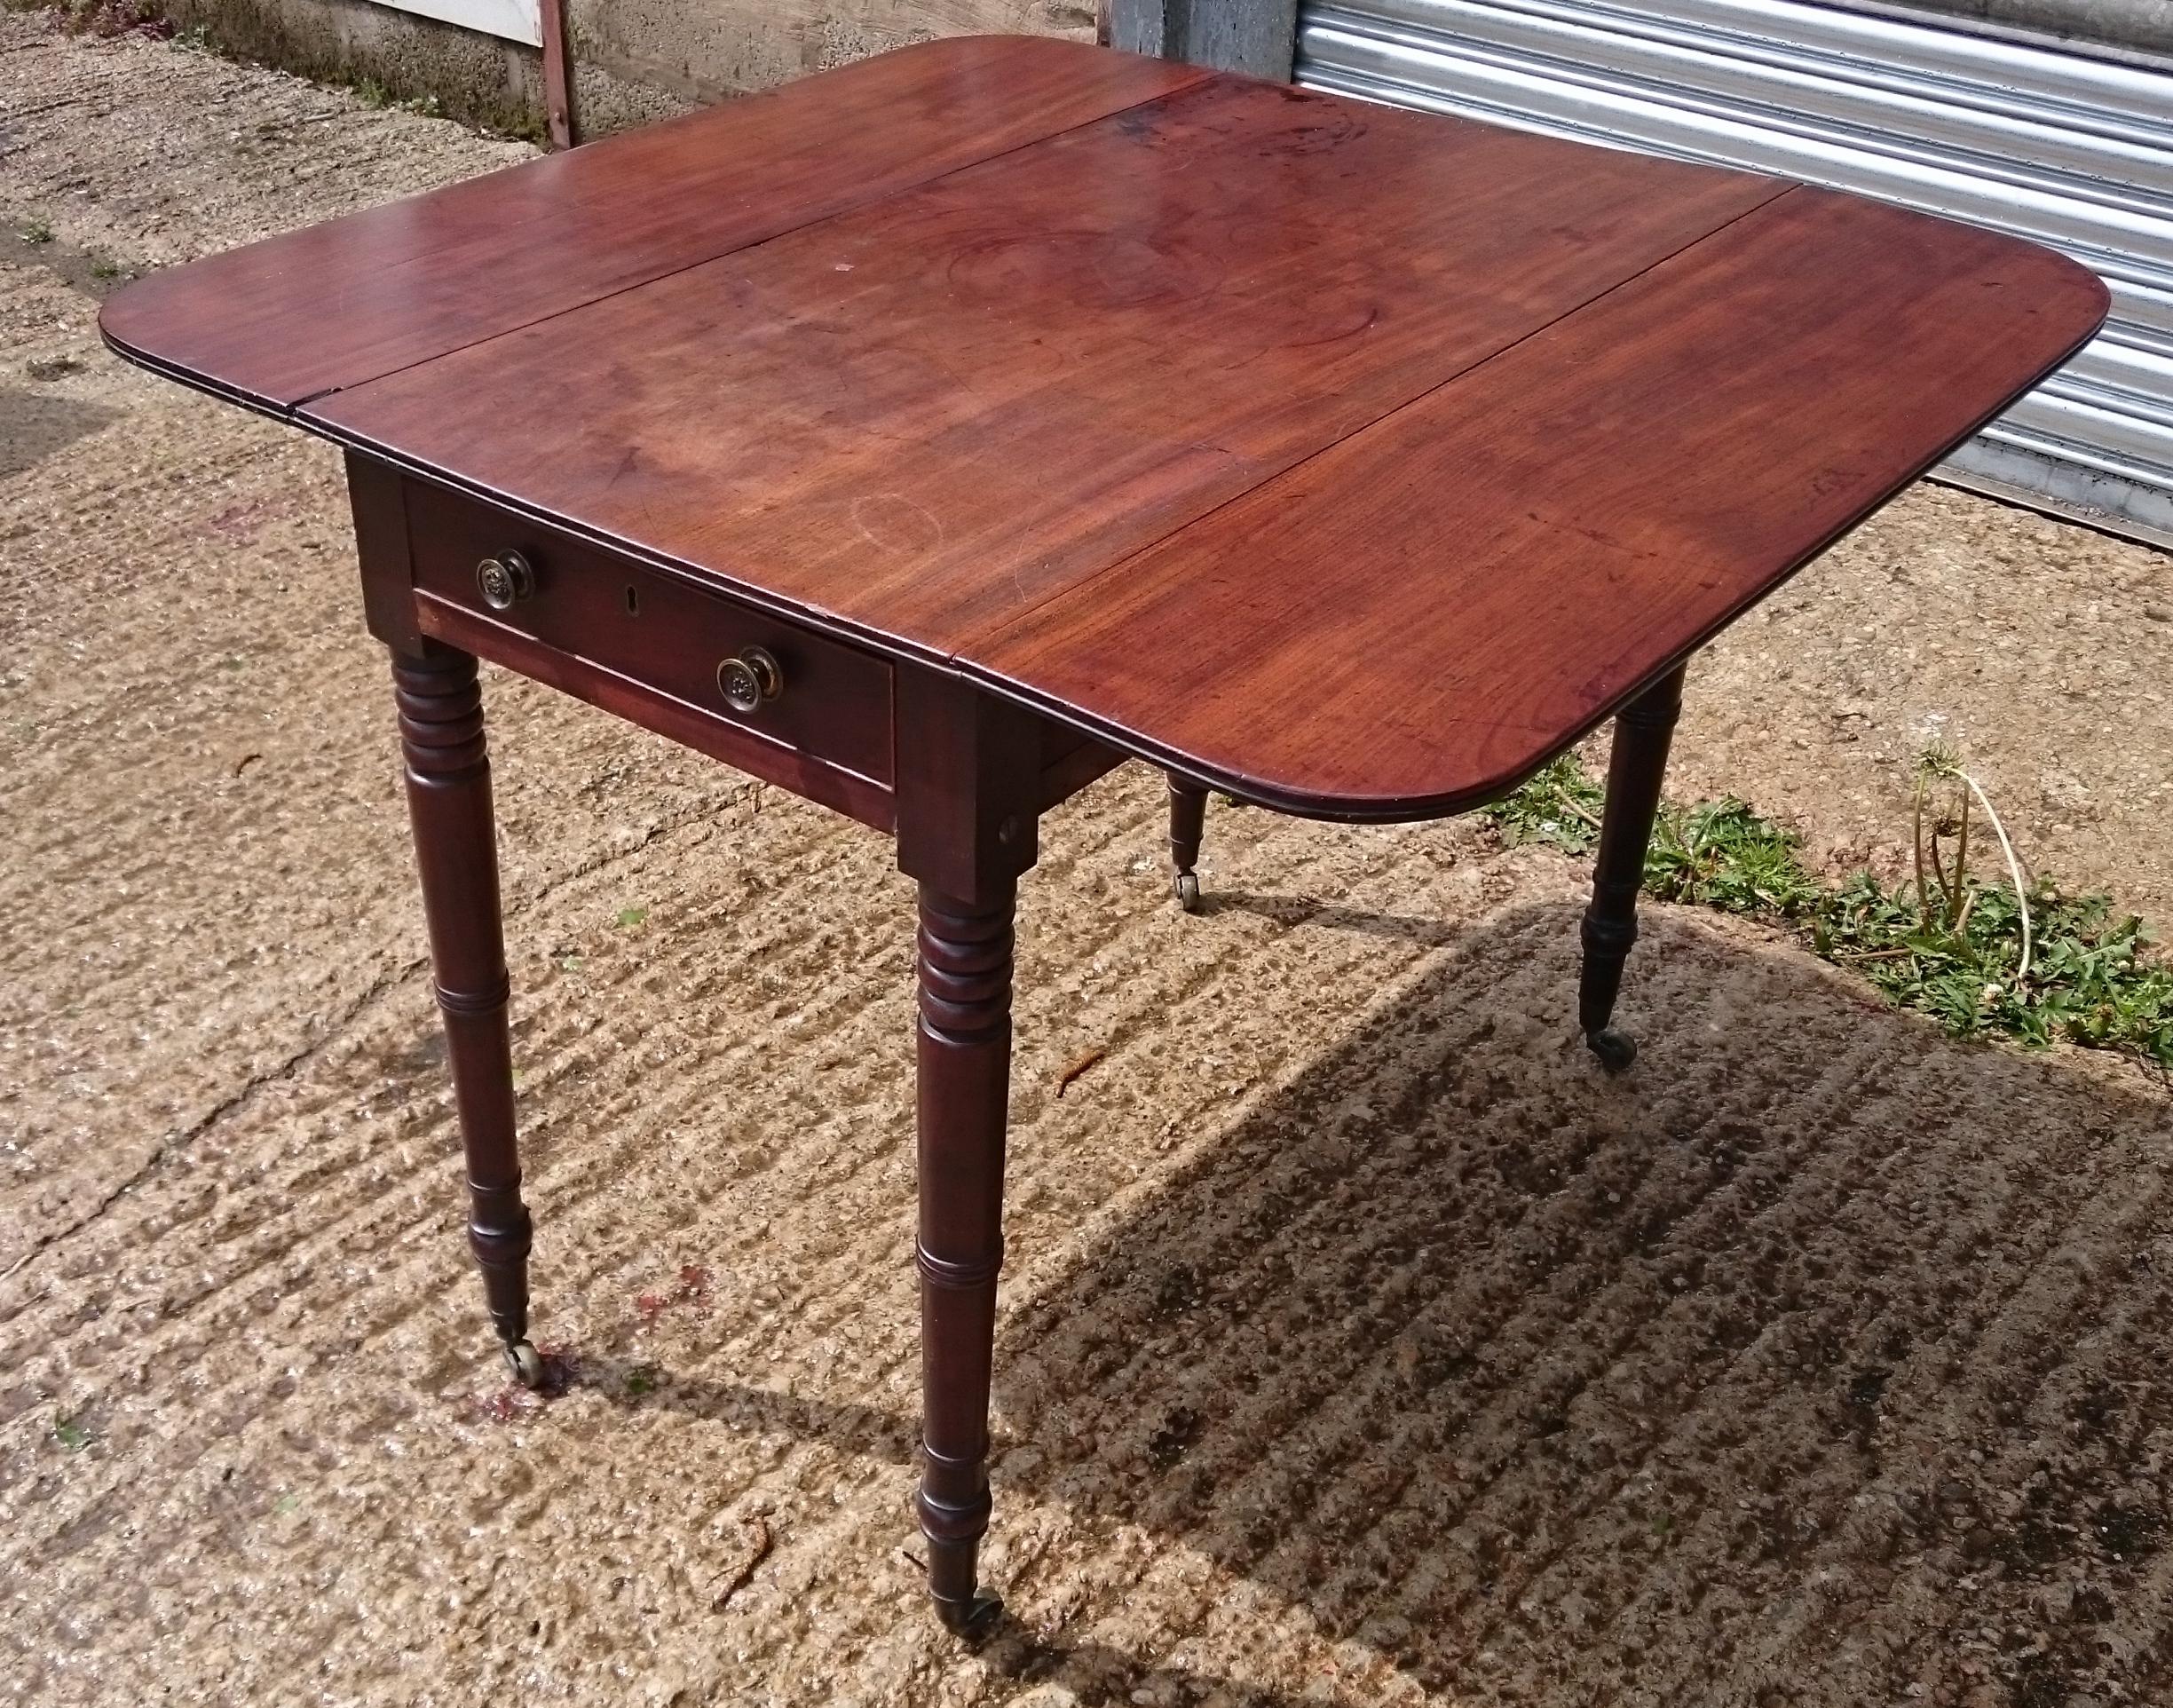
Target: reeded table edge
1262, 792
1490, 786
1505, 780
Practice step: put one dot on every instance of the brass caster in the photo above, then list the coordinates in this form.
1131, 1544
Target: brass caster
975, 1619
1615, 1049
1186, 884
526, 1363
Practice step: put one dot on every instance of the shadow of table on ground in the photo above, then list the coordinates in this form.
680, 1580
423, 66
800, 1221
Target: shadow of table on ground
1818, 1359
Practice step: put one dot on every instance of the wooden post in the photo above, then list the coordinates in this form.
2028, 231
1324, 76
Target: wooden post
558, 75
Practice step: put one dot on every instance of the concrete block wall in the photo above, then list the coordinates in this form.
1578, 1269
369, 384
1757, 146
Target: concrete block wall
639, 59
633, 59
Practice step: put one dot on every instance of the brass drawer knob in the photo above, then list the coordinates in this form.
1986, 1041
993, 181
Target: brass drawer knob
750, 678
505, 579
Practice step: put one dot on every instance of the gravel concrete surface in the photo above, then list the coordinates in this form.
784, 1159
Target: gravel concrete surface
1361, 1342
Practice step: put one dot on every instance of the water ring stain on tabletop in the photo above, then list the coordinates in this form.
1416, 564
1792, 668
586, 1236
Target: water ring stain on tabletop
893, 522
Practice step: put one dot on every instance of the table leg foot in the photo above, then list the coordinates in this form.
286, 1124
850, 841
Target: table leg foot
449, 803
966, 1609
1615, 1049
964, 1058
1643, 730
526, 1363
1188, 820
973, 1618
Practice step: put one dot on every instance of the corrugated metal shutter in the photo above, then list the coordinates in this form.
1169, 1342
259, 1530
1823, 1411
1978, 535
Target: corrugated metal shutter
2072, 151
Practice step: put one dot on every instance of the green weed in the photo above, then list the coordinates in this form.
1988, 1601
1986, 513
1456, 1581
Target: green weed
1722, 855
374, 94
1950, 945
36, 230
1559, 806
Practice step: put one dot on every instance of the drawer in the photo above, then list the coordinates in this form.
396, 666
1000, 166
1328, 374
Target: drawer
827, 702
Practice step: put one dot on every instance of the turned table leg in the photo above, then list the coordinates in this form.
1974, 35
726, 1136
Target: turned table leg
964, 1059
969, 779
1642, 730
1188, 818
449, 803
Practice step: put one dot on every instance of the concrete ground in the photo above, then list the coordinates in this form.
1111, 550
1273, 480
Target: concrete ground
1362, 1343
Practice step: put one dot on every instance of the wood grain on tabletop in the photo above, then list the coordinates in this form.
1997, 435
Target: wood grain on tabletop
1353, 457
927, 414
1414, 619
310, 311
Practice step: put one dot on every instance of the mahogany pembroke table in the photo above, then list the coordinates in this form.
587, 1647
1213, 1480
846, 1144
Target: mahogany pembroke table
931, 435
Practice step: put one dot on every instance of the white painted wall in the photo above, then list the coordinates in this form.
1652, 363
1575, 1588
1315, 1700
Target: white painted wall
516, 21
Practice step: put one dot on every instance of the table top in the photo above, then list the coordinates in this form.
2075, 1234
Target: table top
1353, 459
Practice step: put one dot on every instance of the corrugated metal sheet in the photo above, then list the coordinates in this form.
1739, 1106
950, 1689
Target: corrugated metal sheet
2072, 151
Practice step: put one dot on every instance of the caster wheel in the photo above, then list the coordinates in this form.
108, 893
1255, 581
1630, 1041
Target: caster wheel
1615, 1049
1186, 884
973, 1620
526, 1363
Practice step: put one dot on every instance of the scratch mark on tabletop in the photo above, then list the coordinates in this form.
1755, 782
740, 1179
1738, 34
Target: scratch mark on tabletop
1595, 535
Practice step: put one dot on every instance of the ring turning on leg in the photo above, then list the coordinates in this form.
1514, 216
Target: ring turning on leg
449, 803
964, 1059
1642, 732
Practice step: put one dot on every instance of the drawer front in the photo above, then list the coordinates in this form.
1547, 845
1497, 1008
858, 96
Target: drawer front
830, 701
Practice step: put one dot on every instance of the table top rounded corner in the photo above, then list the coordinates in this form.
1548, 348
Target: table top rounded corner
1185, 405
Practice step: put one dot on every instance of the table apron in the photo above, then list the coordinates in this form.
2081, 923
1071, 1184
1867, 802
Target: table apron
625, 696
646, 646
